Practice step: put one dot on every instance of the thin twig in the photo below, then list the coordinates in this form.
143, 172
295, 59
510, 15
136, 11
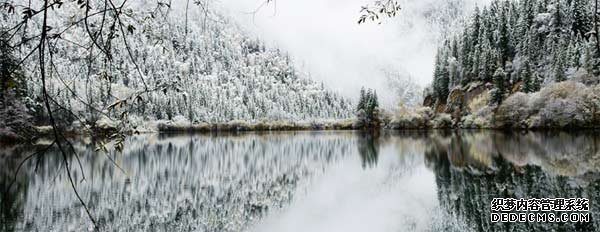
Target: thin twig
50, 115
87, 29
137, 67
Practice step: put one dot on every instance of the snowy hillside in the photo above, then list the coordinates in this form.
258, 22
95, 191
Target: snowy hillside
201, 67
521, 45
522, 64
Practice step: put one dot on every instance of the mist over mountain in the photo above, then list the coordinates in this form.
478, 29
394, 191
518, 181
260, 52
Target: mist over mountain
324, 39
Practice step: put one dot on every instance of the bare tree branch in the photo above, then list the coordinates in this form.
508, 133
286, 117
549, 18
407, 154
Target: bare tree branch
55, 129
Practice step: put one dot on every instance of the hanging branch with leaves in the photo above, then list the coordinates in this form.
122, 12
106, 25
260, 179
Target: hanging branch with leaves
378, 10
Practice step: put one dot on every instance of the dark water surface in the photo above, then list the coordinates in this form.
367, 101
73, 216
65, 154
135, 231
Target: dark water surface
302, 181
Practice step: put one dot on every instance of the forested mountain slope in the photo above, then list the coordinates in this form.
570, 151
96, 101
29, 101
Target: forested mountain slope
519, 46
172, 60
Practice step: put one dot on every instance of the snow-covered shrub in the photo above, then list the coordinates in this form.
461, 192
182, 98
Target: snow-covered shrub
239, 125
559, 105
567, 104
106, 124
467, 122
513, 111
181, 120
140, 124
344, 124
412, 118
481, 119
442, 121
179, 123
484, 117
582, 75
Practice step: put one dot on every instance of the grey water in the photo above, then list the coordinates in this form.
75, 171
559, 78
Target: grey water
300, 181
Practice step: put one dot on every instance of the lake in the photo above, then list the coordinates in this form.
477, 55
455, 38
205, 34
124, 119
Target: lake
302, 181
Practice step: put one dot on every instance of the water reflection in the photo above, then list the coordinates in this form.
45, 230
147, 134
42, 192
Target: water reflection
11, 199
473, 168
368, 147
298, 181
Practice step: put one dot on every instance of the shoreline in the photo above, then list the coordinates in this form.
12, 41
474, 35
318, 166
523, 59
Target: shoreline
217, 130
169, 127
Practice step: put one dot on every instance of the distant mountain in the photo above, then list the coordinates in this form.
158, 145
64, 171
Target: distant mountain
200, 67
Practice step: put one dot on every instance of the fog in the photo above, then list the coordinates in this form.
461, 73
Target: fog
324, 39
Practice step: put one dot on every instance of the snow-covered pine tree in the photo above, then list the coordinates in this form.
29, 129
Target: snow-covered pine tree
559, 62
527, 78
368, 109
581, 22
503, 38
546, 40
441, 79
362, 101
500, 87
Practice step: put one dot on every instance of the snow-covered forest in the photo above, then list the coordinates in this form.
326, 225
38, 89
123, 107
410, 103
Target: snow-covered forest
523, 44
507, 66
158, 61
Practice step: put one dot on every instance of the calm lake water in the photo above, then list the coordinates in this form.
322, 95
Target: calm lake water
303, 181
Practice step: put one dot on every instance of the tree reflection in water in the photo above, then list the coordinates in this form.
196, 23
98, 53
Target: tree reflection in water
473, 168
12, 198
228, 182
368, 148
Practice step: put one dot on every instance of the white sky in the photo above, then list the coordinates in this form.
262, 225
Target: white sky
324, 39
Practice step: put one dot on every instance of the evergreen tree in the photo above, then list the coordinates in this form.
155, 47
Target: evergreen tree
476, 26
593, 61
11, 78
374, 110
559, 65
368, 109
441, 80
368, 105
574, 53
15, 118
476, 55
454, 75
503, 39
537, 82
455, 53
374, 101
581, 23
522, 27
557, 18
362, 100
465, 59
528, 80
499, 86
